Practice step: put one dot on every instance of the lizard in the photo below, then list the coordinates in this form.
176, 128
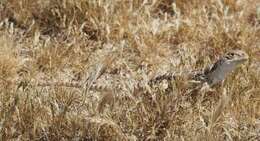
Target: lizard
216, 72
212, 75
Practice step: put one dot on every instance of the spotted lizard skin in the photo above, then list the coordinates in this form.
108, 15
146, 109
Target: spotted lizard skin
210, 75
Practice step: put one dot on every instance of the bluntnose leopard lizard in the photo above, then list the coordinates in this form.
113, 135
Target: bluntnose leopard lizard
216, 73
211, 76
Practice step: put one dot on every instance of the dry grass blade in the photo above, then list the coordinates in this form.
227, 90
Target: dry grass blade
104, 129
80, 70
107, 99
98, 70
219, 109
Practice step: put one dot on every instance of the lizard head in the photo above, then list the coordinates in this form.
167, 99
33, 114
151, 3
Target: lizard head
235, 57
225, 65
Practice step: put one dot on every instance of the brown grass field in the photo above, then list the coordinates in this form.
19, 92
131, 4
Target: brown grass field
118, 43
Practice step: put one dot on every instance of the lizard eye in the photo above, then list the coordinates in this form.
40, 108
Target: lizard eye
231, 54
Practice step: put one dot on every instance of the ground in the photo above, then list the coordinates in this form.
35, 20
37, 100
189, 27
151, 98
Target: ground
122, 43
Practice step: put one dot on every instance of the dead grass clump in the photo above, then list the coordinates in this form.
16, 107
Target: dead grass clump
9, 63
103, 129
8, 67
50, 59
112, 49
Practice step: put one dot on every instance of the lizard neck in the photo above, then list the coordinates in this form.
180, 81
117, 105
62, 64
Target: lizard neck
219, 71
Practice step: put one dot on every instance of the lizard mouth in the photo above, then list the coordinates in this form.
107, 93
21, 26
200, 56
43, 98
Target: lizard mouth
243, 59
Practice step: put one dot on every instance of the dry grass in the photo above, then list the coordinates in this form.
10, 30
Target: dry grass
117, 44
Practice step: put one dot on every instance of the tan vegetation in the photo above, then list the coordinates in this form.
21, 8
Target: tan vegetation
121, 43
